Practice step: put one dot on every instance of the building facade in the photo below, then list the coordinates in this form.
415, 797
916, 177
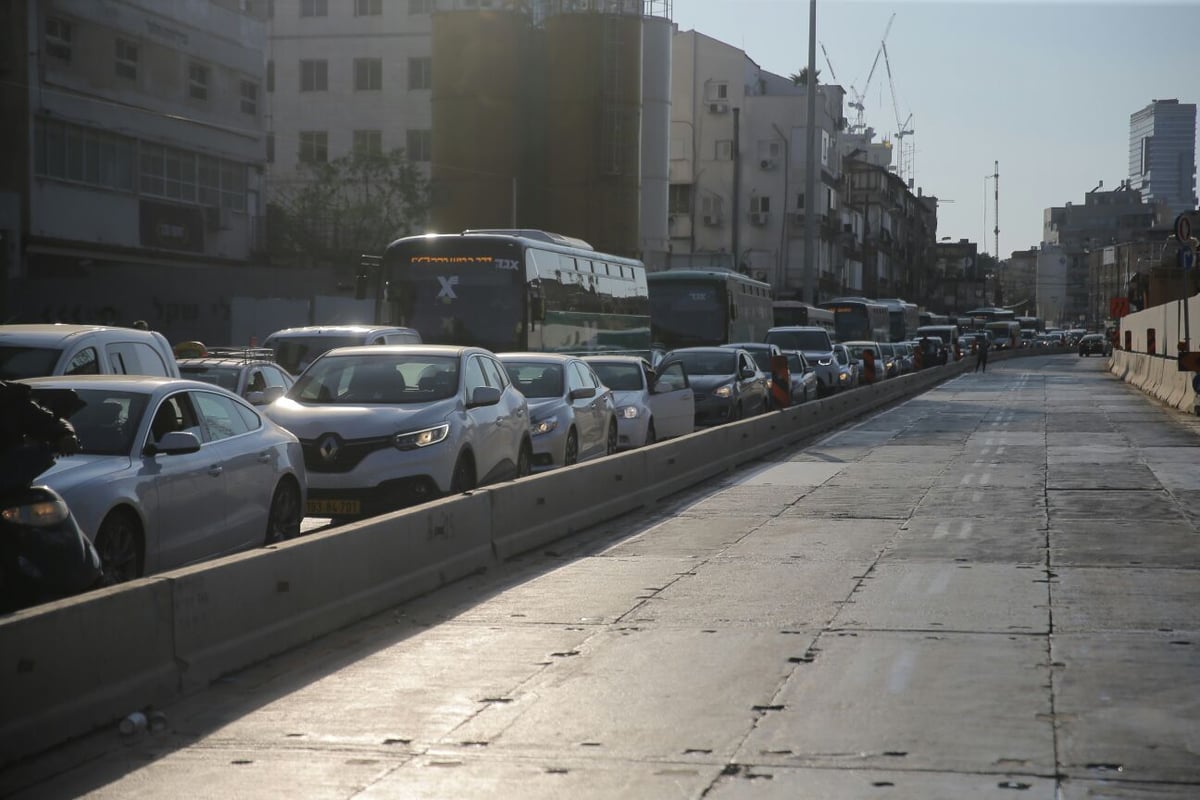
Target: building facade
1018, 281
1162, 154
137, 130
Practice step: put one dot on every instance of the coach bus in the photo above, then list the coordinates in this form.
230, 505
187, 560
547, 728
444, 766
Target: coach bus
859, 319
795, 312
928, 318
518, 290
902, 319
707, 307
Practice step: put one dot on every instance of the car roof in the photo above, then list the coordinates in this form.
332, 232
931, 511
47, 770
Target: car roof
337, 330
753, 345
601, 359
406, 349
555, 358
716, 349
226, 361
125, 383
51, 334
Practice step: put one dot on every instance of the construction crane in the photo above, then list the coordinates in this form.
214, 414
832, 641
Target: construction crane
855, 98
902, 128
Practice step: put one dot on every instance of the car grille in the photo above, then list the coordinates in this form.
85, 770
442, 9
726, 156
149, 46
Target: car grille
331, 453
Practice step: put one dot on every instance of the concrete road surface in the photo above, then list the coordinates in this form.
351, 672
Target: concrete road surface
989, 591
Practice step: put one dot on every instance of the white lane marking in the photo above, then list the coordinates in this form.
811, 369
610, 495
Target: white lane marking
985, 479
939, 583
901, 672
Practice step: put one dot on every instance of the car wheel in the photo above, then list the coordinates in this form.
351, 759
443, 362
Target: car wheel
463, 479
119, 545
610, 445
651, 437
283, 520
571, 450
525, 459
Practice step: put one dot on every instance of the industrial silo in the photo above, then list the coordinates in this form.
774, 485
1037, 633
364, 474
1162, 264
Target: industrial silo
593, 126
657, 35
478, 122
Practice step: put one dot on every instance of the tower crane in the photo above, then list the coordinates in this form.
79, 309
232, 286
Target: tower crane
902, 128
859, 97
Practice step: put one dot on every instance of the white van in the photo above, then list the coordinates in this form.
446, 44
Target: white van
34, 351
296, 348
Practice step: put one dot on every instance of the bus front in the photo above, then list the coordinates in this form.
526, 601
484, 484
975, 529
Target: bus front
688, 312
460, 290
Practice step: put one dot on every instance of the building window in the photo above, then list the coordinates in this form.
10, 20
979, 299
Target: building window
760, 204
724, 150
314, 8
419, 145
368, 143
314, 147
420, 6
197, 81
270, 76
680, 198
222, 183
167, 172
314, 75
270, 148
718, 91
58, 38
84, 155
368, 8
368, 74
127, 59
249, 97
420, 73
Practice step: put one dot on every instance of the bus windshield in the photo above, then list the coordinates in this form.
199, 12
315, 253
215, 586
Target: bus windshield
688, 314
809, 341
473, 297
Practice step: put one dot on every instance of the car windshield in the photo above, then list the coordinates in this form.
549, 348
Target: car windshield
762, 358
294, 353
708, 362
225, 377
27, 362
619, 377
857, 350
106, 422
840, 354
794, 364
368, 379
799, 340
536, 379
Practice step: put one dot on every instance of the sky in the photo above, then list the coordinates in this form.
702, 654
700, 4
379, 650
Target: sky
1046, 89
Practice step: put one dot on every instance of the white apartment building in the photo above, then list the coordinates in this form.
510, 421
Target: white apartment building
142, 126
738, 138
1052, 268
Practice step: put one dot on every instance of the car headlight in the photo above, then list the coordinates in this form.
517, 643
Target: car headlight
424, 438
843, 376
824, 362
544, 426
41, 514
723, 391
629, 412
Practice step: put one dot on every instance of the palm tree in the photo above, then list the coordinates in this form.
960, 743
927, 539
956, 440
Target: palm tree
801, 78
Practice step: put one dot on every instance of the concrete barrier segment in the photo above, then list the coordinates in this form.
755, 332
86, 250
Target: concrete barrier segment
82, 663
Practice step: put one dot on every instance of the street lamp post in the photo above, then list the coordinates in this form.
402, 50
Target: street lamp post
810, 161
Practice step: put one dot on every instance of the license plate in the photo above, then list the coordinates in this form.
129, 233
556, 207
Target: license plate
333, 508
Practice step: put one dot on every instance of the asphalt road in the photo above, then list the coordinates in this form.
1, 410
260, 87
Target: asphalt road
989, 591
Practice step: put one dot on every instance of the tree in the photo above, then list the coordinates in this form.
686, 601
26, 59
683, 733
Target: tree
338, 210
801, 78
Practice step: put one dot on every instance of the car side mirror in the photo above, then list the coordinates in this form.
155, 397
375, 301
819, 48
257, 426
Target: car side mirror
175, 443
265, 397
484, 396
746, 372
583, 393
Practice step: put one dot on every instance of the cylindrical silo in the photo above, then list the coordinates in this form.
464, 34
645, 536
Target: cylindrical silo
657, 35
593, 128
477, 101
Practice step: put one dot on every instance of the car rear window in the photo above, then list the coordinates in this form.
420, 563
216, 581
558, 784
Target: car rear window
708, 363
536, 379
619, 377
225, 377
296, 352
800, 340
27, 362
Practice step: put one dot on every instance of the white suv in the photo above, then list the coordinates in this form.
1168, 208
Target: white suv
296, 348
388, 426
35, 351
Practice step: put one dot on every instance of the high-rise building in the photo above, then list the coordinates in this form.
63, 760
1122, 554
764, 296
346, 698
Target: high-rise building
1162, 154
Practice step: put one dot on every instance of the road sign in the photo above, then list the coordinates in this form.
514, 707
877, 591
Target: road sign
1183, 227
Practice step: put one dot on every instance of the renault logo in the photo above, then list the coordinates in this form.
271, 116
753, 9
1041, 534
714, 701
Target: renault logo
329, 447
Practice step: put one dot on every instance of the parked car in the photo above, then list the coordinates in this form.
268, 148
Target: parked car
1094, 344
387, 426
259, 381
817, 346
572, 414
296, 348
726, 383
30, 351
171, 472
803, 377
652, 405
849, 369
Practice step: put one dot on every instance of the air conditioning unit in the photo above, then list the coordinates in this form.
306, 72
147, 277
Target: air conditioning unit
712, 219
718, 108
767, 163
759, 217
216, 219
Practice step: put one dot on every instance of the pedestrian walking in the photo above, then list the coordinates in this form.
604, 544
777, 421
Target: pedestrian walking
981, 353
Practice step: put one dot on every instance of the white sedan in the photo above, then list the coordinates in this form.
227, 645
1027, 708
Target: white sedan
650, 406
172, 472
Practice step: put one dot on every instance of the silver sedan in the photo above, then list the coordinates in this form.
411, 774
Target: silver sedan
172, 472
650, 406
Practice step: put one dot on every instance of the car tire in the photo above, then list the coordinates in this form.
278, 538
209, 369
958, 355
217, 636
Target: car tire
525, 459
285, 516
651, 437
121, 547
612, 439
571, 449
463, 478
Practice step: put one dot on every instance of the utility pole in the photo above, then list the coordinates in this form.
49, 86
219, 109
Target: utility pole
996, 212
810, 162
737, 191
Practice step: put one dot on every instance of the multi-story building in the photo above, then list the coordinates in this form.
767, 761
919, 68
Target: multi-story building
134, 150
1018, 281
958, 284
1162, 154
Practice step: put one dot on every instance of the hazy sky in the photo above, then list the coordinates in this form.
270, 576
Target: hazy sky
1047, 89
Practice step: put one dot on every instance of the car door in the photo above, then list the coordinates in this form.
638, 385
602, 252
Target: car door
486, 433
249, 464
189, 489
589, 418
505, 440
750, 387
672, 404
